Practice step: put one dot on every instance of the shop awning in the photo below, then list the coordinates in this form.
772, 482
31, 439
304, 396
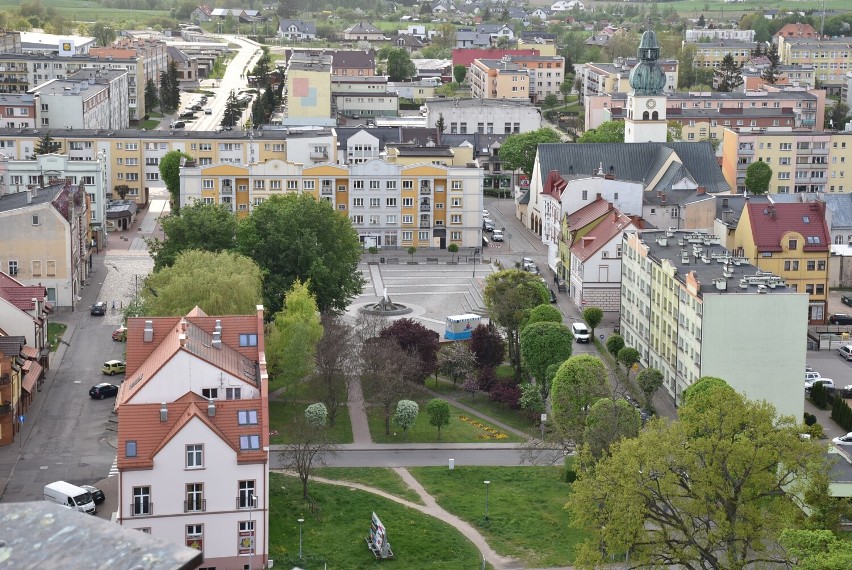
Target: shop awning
32, 377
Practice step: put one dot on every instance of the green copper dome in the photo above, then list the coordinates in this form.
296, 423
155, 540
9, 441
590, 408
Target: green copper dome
648, 78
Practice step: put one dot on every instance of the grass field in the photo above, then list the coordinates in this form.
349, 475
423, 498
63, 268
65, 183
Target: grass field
378, 477
485, 405
89, 11
419, 542
459, 431
526, 518
54, 333
281, 415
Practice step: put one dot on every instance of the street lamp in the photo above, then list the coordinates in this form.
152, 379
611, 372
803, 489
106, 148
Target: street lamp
300, 537
487, 483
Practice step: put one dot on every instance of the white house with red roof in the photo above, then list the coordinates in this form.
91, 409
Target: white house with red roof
596, 263
24, 311
193, 435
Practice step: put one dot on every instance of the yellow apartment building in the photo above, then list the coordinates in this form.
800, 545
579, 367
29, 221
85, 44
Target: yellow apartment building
829, 57
499, 79
391, 205
800, 161
711, 54
308, 81
791, 241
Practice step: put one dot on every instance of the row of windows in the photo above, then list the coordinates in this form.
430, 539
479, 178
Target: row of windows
793, 265
194, 501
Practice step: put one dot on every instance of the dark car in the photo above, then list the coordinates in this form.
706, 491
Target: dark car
104, 390
847, 300
179, 124
97, 495
840, 319
99, 309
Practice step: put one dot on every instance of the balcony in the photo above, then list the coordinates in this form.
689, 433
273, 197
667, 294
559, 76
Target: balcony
326, 191
318, 155
425, 189
746, 149
227, 191
141, 508
195, 506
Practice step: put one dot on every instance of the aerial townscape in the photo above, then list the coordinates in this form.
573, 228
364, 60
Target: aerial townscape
427, 285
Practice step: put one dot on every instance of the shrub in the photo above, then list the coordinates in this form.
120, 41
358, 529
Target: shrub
614, 343
487, 379
810, 419
815, 431
316, 414
508, 394
819, 396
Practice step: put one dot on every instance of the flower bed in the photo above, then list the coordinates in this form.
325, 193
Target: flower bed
490, 433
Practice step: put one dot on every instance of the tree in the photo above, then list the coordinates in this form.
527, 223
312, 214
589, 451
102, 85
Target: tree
674, 131
459, 73
439, 414
704, 385
543, 314
233, 111
544, 344
456, 361
419, 341
400, 66
531, 399
730, 74
335, 357
487, 346
550, 101
580, 382
835, 116
297, 237
151, 98
104, 34
518, 151
608, 132
453, 248
316, 415
614, 343
609, 421
122, 190
816, 549
773, 71
220, 283
649, 380
701, 23
710, 490
46, 145
309, 447
169, 89
406, 414
205, 227
510, 295
292, 341
628, 356
757, 178
386, 368
593, 317
170, 174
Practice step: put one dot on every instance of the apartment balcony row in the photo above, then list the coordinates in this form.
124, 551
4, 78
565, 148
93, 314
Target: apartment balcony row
145, 508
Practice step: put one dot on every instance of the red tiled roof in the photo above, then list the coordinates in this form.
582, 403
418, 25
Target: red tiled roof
465, 56
141, 423
30, 352
770, 225
554, 185
18, 294
33, 373
588, 213
612, 225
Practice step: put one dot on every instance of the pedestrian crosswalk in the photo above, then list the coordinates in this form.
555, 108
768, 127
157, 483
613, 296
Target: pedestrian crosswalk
113, 469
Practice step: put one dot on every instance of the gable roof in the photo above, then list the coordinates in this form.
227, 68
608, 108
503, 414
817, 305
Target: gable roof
20, 295
613, 224
588, 213
301, 26
12, 346
770, 223
362, 28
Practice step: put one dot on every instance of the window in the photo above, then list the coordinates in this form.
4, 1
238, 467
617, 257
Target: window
210, 393
455, 236
141, 501
374, 184
35, 220
358, 219
375, 202
456, 219
408, 219
207, 184
245, 490
130, 448
811, 265
390, 220
423, 236
233, 393
194, 456
390, 202
820, 289
407, 202
791, 266
195, 536
194, 498
248, 339
358, 184
793, 245
13, 268
246, 417
249, 442
357, 202
456, 202
821, 264
309, 184
407, 236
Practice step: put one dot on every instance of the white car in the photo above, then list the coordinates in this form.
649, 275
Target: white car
208, 111
486, 213
826, 382
843, 440
497, 236
581, 332
812, 375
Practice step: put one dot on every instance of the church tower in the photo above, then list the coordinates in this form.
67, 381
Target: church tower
646, 103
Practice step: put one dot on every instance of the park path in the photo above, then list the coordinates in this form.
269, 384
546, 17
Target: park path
477, 413
358, 414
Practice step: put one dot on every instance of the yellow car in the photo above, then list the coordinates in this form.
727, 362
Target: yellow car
113, 367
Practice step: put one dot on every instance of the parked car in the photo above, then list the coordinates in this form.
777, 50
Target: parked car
178, 124
98, 309
840, 319
496, 235
120, 334
486, 213
843, 440
104, 390
808, 367
812, 375
828, 383
847, 299
208, 111
113, 367
845, 351
196, 107
846, 391
97, 495
488, 226
581, 332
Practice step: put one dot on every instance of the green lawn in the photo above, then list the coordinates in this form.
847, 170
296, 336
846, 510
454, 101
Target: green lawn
485, 405
150, 124
419, 542
526, 518
459, 431
378, 477
91, 11
281, 415
54, 333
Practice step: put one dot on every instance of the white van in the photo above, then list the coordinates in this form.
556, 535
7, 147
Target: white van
70, 496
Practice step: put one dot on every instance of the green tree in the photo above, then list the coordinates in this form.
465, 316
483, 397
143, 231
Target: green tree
456, 361
542, 345
151, 99
674, 131
385, 369
773, 71
593, 317
628, 356
295, 332
316, 415
418, 340
297, 237
518, 151
580, 382
550, 101
220, 283
835, 115
730, 74
609, 421
336, 355
233, 111
122, 190
400, 66
608, 132
487, 346
170, 174
510, 295
757, 178
439, 414
103, 33
649, 380
531, 399
614, 343
704, 385
816, 549
205, 227
453, 248
406, 414
169, 90
46, 145
459, 73
543, 314
711, 490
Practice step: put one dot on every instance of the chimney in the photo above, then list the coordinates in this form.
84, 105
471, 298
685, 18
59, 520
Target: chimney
182, 340
183, 325
164, 412
598, 196
701, 190
148, 333
211, 409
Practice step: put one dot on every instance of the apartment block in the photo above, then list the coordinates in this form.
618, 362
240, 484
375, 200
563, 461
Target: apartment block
800, 162
464, 116
547, 72
499, 79
711, 54
390, 204
17, 110
829, 56
86, 99
193, 436
309, 97
716, 34
609, 78
692, 309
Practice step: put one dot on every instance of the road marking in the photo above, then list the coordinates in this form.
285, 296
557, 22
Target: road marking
113, 470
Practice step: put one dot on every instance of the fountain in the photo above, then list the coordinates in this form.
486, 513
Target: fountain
385, 307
